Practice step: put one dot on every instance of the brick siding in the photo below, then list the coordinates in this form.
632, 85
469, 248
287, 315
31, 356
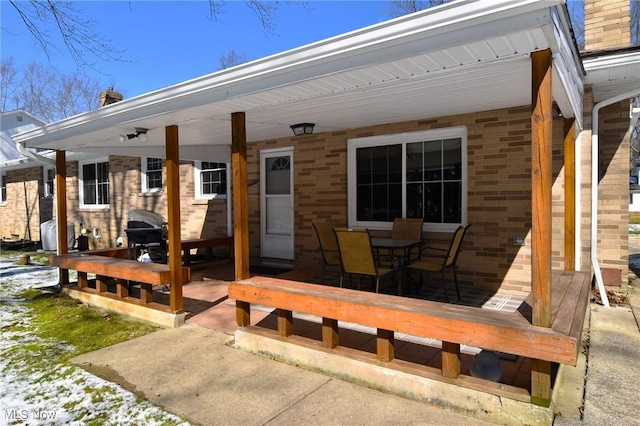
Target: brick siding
607, 24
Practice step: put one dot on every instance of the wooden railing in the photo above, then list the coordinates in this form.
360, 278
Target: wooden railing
510, 332
123, 270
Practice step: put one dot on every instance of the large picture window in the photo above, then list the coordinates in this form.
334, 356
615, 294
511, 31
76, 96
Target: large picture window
94, 184
419, 174
151, 170
210, 180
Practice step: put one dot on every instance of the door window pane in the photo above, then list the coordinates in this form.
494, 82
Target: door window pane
277, 214
278, 176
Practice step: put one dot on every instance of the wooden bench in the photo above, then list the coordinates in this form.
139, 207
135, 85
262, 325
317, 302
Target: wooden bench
509, 332
123, 270
207, 243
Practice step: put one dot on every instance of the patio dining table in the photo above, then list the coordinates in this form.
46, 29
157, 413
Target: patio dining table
396, 244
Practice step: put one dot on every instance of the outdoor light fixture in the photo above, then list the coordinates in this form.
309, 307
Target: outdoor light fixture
141, 134
303, 128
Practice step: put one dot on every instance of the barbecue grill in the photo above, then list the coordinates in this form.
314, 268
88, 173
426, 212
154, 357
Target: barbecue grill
146, 230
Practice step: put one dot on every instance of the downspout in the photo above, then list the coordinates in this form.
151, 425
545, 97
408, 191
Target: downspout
24, 151
594, 185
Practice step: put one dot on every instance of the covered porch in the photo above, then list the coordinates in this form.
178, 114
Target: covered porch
405, 74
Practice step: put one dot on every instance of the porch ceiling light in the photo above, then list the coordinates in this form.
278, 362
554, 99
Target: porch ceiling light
141, 134
303, 128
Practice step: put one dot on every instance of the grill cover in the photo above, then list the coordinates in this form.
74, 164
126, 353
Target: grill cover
144, 219
144, 230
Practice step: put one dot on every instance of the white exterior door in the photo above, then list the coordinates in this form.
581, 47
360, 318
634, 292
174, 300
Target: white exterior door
276, 203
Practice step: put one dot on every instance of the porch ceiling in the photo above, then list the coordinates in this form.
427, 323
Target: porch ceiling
454, 59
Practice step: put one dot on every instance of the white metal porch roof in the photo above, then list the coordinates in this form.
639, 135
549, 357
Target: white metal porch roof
457, 58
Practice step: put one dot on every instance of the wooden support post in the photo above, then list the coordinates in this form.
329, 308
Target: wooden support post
61, 210
385, 345
173, 204
243, 313
82, 279
101, 283
285, 322
122, 288
569, 194
146, 293
240, 195
330, 335
541, 382
450, 360
541, 180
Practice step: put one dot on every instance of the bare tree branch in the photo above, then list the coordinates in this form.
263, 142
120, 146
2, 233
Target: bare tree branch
264, 11
46, 93
231, 59
8, 77
404, 7
71, 30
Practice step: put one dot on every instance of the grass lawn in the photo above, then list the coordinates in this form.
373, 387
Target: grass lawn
41, 331
86, 329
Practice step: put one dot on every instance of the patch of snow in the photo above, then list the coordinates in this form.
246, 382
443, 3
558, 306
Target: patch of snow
63, 394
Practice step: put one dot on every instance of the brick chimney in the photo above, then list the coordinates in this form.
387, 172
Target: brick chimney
109, 96
607, 24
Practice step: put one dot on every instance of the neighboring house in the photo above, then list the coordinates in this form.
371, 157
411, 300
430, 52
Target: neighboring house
26, 195
423, 115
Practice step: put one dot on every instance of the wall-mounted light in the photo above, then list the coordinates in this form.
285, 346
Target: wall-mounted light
141, 134
303, 128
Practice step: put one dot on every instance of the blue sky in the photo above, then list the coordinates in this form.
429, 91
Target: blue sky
166, 42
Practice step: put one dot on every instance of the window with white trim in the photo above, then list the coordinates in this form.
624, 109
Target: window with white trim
151, 174
94, 184
210, 180
418, 174
48, 178
3, 187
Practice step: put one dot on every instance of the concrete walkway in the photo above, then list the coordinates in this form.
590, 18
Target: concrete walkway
192, 372
613, 365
